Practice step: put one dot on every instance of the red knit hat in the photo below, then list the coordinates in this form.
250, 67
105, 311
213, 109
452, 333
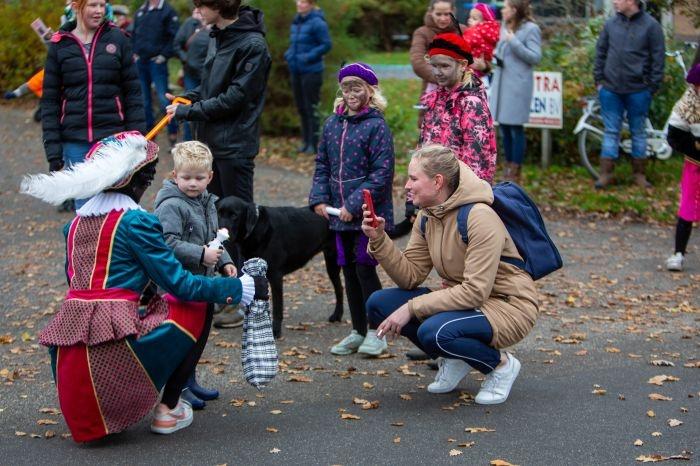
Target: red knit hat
485, 11
452, 45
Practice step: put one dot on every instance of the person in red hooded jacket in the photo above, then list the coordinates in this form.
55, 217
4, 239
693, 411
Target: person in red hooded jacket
482, 35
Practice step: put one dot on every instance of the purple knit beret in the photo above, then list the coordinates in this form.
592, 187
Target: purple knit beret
693, 75
359, 70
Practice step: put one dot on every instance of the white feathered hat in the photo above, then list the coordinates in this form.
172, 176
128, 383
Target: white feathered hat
110, 164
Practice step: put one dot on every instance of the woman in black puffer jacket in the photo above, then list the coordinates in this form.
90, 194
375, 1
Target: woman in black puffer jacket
91, 87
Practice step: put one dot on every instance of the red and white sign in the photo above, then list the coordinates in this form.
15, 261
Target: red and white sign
546, 109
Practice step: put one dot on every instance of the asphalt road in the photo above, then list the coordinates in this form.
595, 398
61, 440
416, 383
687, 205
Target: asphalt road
605, 317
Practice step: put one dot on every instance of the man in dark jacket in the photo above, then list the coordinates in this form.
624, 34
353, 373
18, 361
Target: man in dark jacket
227, 105
629, 68
155, 26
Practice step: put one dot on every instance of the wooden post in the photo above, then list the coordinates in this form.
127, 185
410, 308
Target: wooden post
546, 157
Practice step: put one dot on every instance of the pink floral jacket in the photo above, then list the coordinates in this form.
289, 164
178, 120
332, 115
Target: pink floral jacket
460, 119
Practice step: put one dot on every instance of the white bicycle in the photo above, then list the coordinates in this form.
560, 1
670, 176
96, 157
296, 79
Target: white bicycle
590, 130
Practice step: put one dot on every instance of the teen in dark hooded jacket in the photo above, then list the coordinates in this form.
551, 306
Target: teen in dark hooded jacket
227, 105
308, 42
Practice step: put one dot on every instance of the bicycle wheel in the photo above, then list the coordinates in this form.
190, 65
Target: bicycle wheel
589, 146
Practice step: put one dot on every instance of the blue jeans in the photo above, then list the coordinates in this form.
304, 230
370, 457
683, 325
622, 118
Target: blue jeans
464, 335
151, 72
513, 142
613, 107
190, 83
74, 152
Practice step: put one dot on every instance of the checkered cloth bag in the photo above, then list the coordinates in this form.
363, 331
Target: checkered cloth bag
258, 350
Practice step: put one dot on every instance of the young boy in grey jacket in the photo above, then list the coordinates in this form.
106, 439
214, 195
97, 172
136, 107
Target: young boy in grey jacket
188, 215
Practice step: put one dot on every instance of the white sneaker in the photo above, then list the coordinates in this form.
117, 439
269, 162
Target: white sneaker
450, 373
373, 346
496, 387
675, 262
168, 421
348, 345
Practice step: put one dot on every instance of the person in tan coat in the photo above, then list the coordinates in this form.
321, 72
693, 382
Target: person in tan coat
485, 304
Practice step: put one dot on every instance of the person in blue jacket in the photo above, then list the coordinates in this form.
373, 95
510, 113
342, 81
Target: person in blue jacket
309, 40
356, 152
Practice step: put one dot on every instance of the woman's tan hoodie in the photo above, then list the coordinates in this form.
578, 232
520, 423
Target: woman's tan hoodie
474, 274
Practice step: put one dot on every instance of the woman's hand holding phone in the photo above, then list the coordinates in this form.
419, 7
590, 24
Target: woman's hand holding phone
368, 220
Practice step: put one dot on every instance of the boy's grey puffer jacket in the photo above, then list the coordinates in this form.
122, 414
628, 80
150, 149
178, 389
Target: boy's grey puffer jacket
188, 224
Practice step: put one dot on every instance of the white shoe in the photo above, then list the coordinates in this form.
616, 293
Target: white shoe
373, 346
675, 262
496, 387
450, 373
169, 421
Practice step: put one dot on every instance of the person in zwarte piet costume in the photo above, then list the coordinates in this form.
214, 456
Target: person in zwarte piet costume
110, 359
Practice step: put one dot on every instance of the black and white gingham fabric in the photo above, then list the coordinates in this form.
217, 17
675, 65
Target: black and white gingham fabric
258, 350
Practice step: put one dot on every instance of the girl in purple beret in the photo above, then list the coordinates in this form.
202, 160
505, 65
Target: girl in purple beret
684, 136
356, 152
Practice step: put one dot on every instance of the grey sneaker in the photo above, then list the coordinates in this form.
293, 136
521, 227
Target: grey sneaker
450, 373
373, 346
348, 345
229, 319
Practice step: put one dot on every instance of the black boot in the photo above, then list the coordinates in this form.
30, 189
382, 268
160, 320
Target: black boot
206, 394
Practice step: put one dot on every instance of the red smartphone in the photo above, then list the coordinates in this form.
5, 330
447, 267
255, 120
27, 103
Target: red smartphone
370, 205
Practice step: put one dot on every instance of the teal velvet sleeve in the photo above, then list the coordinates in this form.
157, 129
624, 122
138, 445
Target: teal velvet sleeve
145, 239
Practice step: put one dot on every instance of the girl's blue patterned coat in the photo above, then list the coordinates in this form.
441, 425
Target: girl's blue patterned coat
356, 153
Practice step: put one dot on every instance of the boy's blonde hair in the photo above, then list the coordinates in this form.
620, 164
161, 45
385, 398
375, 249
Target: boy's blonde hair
192, 154
376, 100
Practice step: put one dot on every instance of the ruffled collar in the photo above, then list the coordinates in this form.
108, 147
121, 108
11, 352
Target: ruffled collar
106, 202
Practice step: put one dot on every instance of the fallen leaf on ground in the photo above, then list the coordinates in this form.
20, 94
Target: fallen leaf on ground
455, 452
405, 397
638, 443
367, 386
19, 433
612, 349
657, 458
475, 430
348, 416
397, 424
397, 440
276, 411
287, 402
660, 379
275, 450
49, 434
49, 411
501, 463
674, 422
46, 422
651, 413
599, 391
656, 434
299, 378
272, 430
659, 397
692, 364
581, 353
466, 444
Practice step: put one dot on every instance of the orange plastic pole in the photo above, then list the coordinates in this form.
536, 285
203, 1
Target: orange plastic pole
164, 121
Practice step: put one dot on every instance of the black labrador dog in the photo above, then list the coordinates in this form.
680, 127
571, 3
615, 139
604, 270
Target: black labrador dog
287, 238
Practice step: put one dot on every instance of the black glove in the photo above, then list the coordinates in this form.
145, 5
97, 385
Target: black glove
55, 165
410, 209
261, 288
9, 95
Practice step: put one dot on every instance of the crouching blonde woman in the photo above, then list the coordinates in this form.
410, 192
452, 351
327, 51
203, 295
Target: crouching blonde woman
486, 304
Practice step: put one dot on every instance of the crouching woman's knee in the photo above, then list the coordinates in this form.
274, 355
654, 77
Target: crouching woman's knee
427, 335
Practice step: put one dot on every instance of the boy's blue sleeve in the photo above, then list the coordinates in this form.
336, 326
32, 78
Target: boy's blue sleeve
157, 259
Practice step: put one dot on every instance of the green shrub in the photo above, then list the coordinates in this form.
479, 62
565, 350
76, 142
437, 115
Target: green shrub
21, 51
